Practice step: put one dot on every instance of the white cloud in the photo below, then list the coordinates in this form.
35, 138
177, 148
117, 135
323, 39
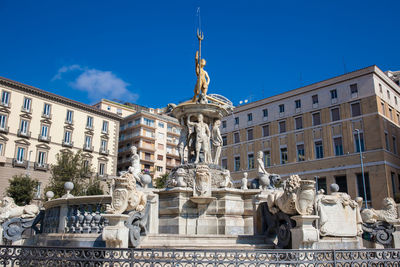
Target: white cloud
98, 84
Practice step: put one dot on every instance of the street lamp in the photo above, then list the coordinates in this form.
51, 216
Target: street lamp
362, 167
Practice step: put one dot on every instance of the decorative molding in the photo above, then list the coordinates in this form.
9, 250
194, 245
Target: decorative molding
68, 127
3, 138
103, 159
26, 116
87, 155
46, 121
4, 110
43, 146
22, 142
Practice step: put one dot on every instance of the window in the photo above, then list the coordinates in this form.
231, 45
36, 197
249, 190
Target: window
67, 137
44, 131
353, 88
388, 94
161, 135
27, 104
159, 168
20, 154
300, 153
236, 137
161, 125
147, 155
319, 150
224, 140
338, 146
41, 158
250, 117
265, 130
103, 145
392, 176
3, 121
1, 149
23, 129
267, 158
224, 163
281, 108
88, 142
387, 141
250, 161
223, 124
314, 99
298, 123
46, 110
70, 115
137, 122
104, 128
316, 118
148, 122
334, 94
394, 144
108, 107
282, 126
160, 157
284, 155
265, 113
89, 122
321, 184
341, 181
359, 142
250, 134
395, 100
5, 98
383, 109
297, 103
335, 114
355, 109
390, 114
102, 167
237, 121
360, 186
398, 118
237, 164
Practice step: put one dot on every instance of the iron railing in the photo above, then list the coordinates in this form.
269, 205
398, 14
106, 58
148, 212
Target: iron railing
63, 256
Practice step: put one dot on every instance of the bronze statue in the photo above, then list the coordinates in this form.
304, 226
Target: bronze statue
203, 79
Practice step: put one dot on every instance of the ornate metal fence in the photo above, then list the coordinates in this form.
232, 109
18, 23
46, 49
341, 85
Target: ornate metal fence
57, 256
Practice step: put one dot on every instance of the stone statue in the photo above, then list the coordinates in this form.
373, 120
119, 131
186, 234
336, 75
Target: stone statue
216, 140
180, 177
226, 183
10, 210
244, 181
203, 80
135, 169
202, 141
387, 214
285, 200
264, 176
183, 138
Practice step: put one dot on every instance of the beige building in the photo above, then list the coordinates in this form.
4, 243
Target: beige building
313, 131
35, 125
154, 133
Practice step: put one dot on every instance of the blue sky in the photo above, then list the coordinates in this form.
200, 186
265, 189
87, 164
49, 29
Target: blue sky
143, 51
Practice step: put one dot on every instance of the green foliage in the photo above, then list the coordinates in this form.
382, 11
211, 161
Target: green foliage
22, 189
161, 180
71, 168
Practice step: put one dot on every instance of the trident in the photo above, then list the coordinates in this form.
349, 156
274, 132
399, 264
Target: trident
200, 36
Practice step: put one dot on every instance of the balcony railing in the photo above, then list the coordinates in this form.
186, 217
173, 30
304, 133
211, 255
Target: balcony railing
69, 122
102, 176
23, 134
103, 151
42, 138
26, 110
47, 116
5, 130
6, 105
41, 166
88, 148
20, 164
69, 144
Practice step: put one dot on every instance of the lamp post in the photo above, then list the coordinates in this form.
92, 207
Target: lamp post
362, 167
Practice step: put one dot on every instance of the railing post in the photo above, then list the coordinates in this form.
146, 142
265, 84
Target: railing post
334, 257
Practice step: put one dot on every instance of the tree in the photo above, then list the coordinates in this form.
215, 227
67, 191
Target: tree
71, 168
161, 180
22, 189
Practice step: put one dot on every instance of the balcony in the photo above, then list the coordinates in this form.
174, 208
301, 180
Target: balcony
5, 130
103, 151
47, 116
104, 132
25, 110
67, 144
88, 148
42, 138
6, 105
173, 155
88, 127
103, 177
69, 122
23, 134
41, 166
20, 164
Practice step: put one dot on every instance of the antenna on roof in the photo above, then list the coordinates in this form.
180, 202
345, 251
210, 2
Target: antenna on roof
344, 65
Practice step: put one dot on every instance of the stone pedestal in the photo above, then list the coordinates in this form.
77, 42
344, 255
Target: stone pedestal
304, 235
116, 235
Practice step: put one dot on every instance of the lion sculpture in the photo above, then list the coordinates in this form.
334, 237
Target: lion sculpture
387, 214
9, 209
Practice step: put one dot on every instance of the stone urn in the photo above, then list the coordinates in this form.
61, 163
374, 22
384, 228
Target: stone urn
305, 197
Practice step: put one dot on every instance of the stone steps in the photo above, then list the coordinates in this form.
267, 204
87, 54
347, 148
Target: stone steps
205, 241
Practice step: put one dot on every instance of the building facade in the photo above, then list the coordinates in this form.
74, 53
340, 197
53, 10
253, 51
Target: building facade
317, 131
154, 133
35, 125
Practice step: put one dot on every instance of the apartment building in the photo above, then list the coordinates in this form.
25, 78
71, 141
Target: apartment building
154, 133
35, 125
317, 131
